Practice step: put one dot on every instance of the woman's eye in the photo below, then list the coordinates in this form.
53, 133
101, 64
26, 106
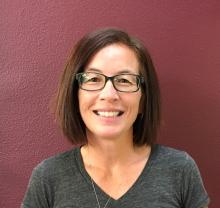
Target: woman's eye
125, 81
93, 79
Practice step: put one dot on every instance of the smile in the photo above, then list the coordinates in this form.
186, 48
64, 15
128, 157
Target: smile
108, 113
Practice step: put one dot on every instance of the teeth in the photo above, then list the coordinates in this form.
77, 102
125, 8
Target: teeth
108, 114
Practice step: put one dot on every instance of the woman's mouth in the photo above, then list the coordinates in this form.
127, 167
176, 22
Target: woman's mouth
108, 113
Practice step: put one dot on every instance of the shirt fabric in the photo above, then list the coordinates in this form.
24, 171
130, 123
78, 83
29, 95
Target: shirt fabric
170, 179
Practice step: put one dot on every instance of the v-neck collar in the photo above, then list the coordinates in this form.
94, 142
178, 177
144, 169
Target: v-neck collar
146, 169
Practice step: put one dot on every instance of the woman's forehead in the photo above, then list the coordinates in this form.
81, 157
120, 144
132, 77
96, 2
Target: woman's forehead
114, 58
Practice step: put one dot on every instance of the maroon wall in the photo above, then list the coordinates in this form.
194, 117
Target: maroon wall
35, 39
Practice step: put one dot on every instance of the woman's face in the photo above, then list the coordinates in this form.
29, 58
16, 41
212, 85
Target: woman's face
108, 113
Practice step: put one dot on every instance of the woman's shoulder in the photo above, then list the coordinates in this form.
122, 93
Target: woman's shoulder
57, 164
173, 157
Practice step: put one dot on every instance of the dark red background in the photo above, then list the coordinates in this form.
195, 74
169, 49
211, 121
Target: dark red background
35, 39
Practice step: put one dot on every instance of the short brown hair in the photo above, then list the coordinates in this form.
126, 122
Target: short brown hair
67, 104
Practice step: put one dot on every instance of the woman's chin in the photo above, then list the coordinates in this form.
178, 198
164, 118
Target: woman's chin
108, 134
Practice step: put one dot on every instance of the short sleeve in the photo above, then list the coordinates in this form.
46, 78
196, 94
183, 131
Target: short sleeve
37, 194
193, 191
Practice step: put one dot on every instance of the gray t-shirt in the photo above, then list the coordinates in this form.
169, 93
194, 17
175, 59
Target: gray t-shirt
170, 179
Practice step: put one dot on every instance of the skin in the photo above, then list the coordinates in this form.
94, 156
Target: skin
110, 151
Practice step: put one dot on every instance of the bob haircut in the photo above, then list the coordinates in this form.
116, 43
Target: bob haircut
67, 112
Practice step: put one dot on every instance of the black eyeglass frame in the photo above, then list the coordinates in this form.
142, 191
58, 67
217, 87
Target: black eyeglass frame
140, 80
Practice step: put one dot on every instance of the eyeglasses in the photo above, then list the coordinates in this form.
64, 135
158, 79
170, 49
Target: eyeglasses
92, 81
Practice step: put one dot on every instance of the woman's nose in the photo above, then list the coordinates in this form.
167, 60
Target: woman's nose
109, 92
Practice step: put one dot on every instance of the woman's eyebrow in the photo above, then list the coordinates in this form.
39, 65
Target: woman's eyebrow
93, 70
123, 71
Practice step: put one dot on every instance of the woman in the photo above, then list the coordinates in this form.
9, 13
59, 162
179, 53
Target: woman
108, 103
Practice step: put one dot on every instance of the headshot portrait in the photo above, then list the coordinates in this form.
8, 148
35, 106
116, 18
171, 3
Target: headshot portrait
109, 104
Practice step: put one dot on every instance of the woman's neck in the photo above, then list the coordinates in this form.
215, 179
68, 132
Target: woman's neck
110, 153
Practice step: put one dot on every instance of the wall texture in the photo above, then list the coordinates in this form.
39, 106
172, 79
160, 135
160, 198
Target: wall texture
35, 39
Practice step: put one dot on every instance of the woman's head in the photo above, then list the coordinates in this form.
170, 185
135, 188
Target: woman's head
68, 113
109, 94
